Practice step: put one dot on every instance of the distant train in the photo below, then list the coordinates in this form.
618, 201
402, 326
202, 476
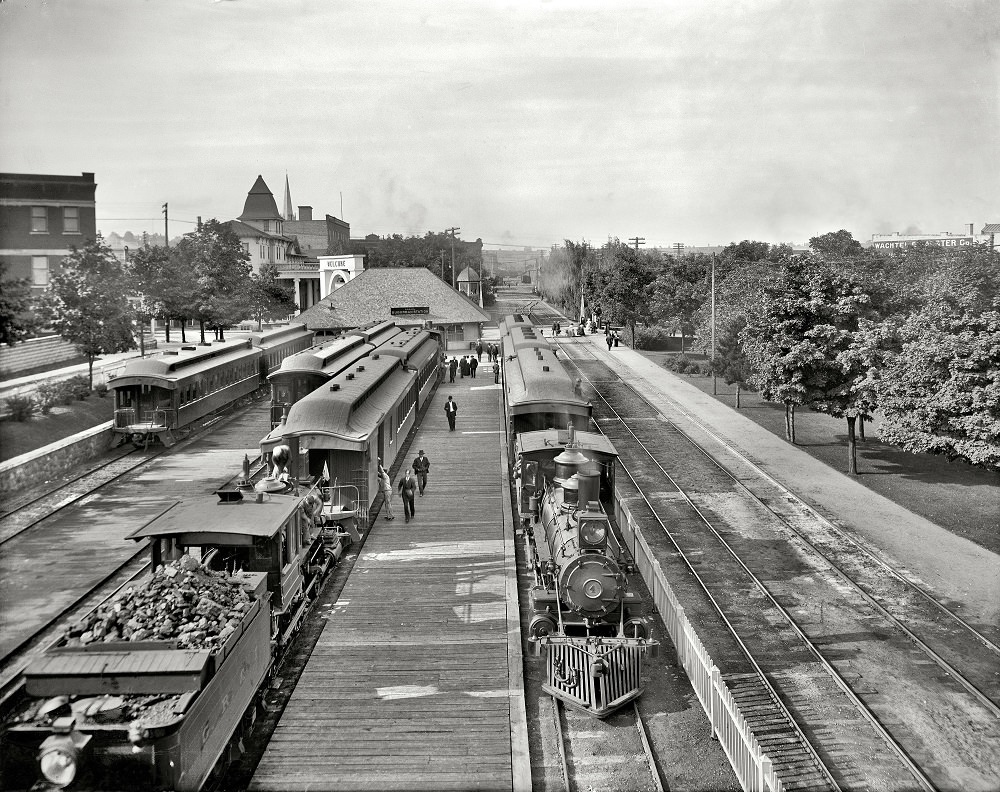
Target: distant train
156, 687
156, 396
584, 611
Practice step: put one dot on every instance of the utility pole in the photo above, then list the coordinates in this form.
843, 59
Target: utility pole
637, 241
166, 232
678, 247
712, 361
451, 232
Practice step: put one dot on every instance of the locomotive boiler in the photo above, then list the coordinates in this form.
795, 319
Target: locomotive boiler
584, 612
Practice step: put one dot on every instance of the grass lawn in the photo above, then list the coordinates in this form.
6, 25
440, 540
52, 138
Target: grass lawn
19, 437
959, 497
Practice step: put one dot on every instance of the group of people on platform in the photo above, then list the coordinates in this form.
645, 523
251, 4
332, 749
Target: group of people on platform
466, 365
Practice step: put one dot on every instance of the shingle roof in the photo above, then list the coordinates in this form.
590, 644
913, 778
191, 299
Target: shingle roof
260, 203
247, 230
371, 295
991, 228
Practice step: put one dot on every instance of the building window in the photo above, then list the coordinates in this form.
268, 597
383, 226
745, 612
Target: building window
40, 270
39, 220
71, 220
246, 248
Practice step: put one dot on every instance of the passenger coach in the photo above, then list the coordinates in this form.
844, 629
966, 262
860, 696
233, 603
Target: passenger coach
538, 391
156, 396
360, 416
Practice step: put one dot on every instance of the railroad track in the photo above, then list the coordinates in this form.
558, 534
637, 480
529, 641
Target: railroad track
22, 515
611, 754
816, 612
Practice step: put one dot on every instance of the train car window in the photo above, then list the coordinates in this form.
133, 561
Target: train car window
286, 536
261, 548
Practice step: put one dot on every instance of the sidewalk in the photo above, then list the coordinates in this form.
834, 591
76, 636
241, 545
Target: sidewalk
958, 570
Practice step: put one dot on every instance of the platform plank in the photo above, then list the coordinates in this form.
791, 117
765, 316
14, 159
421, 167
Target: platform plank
409, 686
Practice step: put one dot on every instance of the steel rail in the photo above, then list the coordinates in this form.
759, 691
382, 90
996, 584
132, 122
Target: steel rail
918, 773
647, 746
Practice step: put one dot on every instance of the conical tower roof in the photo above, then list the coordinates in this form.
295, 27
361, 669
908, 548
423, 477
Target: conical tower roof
260, 203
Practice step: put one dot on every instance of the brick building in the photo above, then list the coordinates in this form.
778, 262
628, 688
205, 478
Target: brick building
41, 217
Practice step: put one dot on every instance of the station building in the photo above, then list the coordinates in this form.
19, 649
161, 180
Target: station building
411, 296
41, 218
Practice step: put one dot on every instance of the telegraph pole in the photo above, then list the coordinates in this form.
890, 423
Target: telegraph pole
712, 361
678, 247
451, 232
166, 233
637, 241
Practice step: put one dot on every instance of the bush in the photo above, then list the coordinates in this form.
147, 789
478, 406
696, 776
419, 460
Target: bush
680, 363
694, 369
48, 395
649, 337
79, 386
21, 408
102, 389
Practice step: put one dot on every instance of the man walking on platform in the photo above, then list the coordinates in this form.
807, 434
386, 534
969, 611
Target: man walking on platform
479, 351
452, 368
451, 410
407, 485
421, 466
473, 364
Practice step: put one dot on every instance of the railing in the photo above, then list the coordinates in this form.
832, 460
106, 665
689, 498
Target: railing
752, 767
152, 419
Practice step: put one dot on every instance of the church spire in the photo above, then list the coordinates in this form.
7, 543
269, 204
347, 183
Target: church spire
289, 215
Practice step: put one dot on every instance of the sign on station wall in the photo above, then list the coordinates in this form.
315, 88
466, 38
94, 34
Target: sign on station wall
410, 310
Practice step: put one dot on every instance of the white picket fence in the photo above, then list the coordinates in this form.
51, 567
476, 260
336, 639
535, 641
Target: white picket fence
752, 766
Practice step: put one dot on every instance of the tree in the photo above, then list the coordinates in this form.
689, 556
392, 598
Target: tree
16, 319
620, 281
941, 393
730, 363
215, 255
87, 304
268, 298
680, 291
836, 245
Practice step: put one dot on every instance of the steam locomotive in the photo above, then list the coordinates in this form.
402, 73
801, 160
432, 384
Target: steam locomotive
584, 612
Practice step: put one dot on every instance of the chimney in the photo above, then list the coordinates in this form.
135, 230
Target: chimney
305, 213
971, 227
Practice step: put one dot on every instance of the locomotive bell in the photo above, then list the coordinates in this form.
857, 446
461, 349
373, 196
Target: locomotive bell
567, 463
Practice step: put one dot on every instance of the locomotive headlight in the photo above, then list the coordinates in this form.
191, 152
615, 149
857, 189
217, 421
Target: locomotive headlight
59, 757
593, 532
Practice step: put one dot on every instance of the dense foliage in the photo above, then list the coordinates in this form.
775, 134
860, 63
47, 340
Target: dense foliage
16, 318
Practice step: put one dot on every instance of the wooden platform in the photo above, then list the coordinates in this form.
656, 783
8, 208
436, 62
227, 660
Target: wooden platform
415, 682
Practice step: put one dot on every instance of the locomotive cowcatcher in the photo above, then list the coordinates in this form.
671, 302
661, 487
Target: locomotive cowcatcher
584, 612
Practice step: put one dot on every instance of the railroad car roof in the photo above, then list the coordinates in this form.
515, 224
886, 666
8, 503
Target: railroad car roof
525, 338
201, 516
331, 356
405, 344
173, 367
378, 333
514, 320
537, 377
528, 442
279, 335
348, 409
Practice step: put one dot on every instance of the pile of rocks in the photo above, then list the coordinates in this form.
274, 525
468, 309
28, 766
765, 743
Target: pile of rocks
180, 602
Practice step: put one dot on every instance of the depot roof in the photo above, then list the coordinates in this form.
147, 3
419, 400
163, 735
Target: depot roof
373, 295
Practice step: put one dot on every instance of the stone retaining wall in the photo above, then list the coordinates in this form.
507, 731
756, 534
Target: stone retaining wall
54, 459
35, 352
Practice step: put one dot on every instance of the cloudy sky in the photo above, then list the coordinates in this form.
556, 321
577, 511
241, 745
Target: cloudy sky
522, 122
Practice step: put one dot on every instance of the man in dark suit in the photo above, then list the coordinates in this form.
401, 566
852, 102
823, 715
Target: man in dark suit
421, 466
407, 485
451, 410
